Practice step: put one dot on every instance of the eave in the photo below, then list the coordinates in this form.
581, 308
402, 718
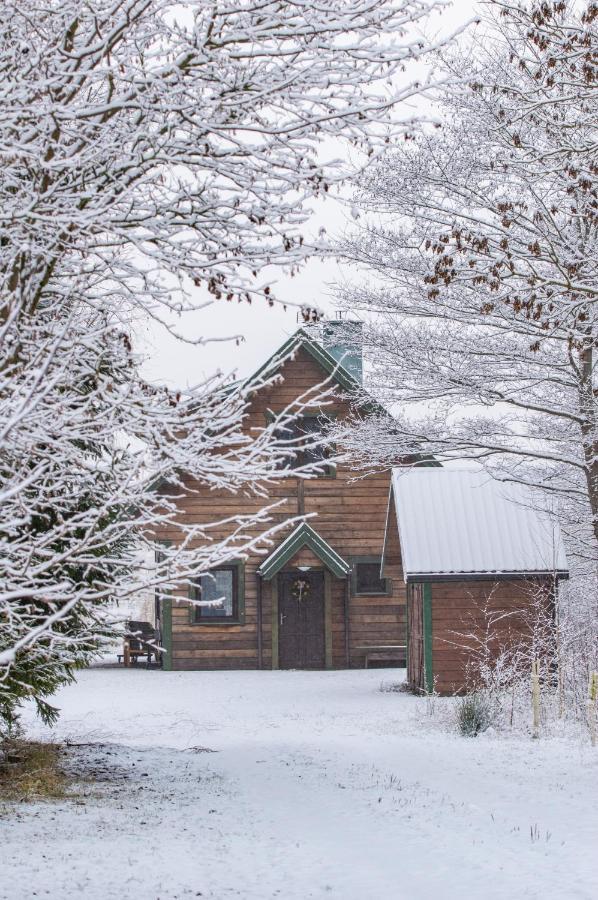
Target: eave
435, 577
301, 339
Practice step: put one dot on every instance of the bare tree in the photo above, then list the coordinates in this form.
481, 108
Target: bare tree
482, 237
149, 147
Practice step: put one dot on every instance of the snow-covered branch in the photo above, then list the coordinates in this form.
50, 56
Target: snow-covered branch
482, 236
150, 151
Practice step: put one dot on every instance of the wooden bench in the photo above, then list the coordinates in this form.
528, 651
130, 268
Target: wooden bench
383, 653
140, 641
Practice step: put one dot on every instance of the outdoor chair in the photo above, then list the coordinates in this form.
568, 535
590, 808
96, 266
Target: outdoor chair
140, 641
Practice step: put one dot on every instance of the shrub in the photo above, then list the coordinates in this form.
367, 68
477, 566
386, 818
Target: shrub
474, 715
393, 687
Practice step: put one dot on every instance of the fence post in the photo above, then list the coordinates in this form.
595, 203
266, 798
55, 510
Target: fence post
592, 696
561, 684
536, 697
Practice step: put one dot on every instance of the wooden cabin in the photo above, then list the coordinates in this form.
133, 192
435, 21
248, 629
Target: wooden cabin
318, 599
481, 567
392, 568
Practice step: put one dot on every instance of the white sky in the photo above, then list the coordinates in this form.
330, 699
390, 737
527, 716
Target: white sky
263, 328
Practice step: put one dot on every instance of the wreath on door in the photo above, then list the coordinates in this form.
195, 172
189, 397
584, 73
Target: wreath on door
300, 589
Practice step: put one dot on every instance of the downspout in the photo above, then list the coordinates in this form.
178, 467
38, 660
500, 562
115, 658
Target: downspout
259, 623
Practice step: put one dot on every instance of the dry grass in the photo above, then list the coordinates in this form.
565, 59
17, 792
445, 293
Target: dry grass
31, 771
393, 687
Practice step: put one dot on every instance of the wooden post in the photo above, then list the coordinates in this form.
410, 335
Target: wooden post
536, 697
300, 497
592, 697
561, 687
560, 671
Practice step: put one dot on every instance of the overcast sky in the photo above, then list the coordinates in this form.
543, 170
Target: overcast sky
263, 328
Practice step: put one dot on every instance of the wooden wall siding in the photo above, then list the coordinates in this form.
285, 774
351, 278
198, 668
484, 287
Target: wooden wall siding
350, 515
460, 607
392, 549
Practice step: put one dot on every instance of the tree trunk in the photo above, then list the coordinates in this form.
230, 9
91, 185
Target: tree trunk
589, 431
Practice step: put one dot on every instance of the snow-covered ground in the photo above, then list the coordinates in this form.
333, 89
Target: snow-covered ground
318, 785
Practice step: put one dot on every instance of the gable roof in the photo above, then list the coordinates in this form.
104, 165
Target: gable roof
462, 523
302, 339
303, 536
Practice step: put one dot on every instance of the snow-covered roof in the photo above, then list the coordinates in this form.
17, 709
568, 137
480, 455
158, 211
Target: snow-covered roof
463, 522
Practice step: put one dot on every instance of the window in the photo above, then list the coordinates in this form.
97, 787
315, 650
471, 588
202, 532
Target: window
366, 578
220, 585
306, 430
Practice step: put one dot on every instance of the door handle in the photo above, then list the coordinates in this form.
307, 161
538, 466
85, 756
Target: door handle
282, 618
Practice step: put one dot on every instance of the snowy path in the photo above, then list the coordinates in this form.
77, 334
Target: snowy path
321, 787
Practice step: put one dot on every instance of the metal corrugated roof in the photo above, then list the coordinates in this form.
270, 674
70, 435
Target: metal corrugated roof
462, 521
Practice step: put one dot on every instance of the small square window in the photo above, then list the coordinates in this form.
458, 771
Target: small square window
301, 435
220, 586
366, 576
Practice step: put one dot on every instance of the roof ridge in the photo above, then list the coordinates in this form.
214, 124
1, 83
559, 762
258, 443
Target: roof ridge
299, 338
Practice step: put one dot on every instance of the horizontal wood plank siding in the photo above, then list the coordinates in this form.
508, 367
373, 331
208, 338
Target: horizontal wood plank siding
461, 608
349, 514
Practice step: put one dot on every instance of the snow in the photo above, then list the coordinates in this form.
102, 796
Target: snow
319, 786
464, 521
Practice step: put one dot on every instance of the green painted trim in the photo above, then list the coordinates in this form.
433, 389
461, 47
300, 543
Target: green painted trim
303, 536
449, 578
165, 604
409, 600
166, 623
355, 560
301, 339
274, 604
239, 565
427, 617
327, 620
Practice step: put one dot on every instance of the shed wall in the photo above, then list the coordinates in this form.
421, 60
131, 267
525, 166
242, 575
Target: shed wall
467, 616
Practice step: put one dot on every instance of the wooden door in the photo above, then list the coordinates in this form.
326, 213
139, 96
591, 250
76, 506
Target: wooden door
301, 636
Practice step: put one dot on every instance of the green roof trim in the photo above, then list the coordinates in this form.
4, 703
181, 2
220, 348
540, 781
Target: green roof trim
302, 339
303, 536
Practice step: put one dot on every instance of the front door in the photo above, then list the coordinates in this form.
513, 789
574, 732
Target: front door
301, 640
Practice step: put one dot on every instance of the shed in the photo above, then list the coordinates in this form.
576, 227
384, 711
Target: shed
478, 558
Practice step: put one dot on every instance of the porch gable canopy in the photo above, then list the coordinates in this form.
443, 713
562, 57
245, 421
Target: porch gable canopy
303, 536
462, 524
